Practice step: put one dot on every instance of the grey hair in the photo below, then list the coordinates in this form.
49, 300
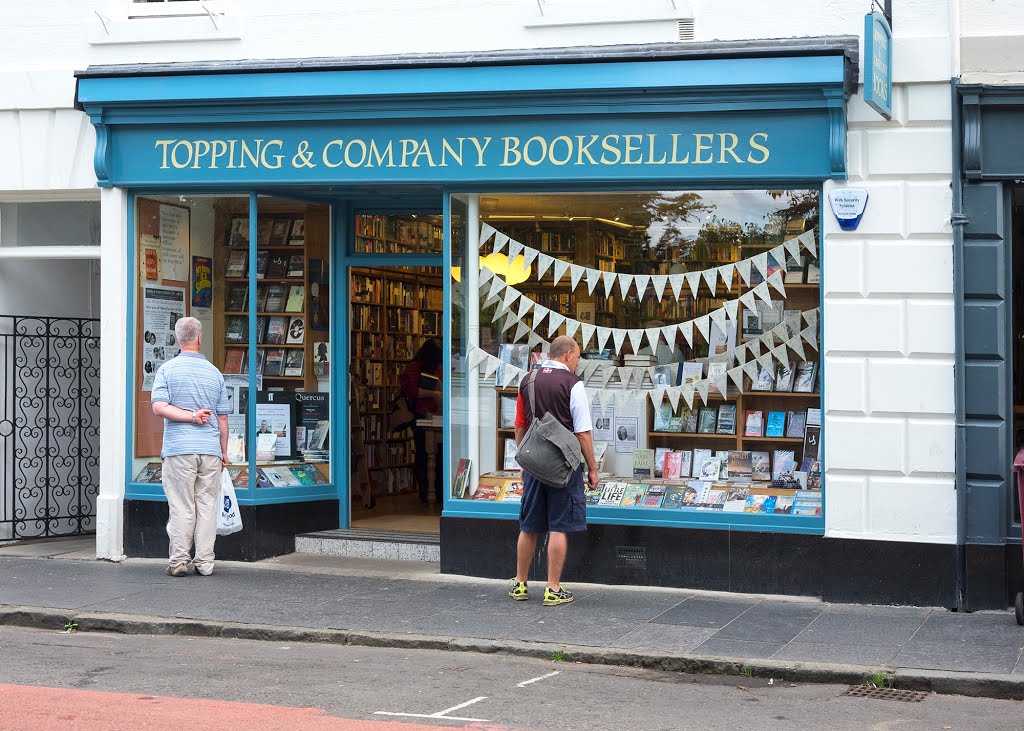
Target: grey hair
187, 330
560, 346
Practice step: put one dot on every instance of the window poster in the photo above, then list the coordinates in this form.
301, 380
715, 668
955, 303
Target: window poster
161, 308
174, 242
274, 416
626, 434
602, 417
202, 281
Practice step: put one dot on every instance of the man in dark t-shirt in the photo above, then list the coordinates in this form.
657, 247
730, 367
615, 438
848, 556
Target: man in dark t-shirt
546, 509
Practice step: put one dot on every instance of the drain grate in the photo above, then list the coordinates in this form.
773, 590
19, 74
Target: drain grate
886, 694
631, 557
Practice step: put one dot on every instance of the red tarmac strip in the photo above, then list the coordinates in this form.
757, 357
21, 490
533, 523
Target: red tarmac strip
30, 708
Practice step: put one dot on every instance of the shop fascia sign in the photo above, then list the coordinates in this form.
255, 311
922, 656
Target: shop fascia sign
878, 63
848, 206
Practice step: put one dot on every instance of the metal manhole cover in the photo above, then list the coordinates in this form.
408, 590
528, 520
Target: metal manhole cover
886, 694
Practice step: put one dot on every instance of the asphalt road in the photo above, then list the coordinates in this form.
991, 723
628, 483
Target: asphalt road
97, 681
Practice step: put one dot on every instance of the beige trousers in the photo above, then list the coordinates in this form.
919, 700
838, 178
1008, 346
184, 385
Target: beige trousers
192, 486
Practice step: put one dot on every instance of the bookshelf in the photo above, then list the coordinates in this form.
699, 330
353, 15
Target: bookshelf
393, 311
409, 234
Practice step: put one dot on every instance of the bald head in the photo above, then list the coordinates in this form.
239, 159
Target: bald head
565, 350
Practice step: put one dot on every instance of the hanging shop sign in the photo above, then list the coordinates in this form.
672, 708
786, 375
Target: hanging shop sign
878, 63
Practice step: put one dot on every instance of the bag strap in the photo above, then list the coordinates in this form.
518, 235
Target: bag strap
533, 403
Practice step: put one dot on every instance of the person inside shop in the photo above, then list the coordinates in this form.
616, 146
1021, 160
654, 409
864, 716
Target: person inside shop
421, 386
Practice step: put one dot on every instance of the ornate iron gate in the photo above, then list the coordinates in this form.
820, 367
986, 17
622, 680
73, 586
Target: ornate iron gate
49, 426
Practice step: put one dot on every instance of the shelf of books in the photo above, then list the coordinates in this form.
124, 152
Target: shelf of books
393, 311
398, 234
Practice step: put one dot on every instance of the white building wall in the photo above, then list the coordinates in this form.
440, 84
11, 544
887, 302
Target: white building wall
888, 311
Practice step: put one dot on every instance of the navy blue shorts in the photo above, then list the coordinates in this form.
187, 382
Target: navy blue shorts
543, 509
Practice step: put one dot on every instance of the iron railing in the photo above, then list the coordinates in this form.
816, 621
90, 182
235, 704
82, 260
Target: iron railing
49, 426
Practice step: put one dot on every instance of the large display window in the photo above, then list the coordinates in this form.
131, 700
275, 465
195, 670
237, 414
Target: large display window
697, 313
256, 273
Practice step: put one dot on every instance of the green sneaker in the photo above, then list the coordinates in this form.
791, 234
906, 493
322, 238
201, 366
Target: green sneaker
518, 591
554, 598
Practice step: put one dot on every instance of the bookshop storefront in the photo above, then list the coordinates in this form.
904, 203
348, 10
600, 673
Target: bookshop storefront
659, 204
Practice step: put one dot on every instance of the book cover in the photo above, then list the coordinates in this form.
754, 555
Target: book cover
708, 417
783, 504
511, 491
461, 478
236, 329
300, 474
511, 450
797, 422
262, 260
814, 417
293, 362
760, 466
673, 465
662, 416
261, 479
612, 493
202, 284
740, 463
152, 264
803, 381
675, 424
297, 234
654, 496
261, 297
776, 424
234, 360
753, 424
783, 464
592, 495
237, 263
633, 495
674, 495
659, 460
812, 442
764, 380
240, 477
296, 266
794, 270
726, 419
700, 456
238, 295
151, 473
689, 421
238, 234
236, 448
813, 272
643, 463
277, 329
261, 329
711, 469
296, 295
754, 503
277, 266
784, 377
723, 460
664, 376
716, 369
296, 331
692, 372
751, 325
684, 462
275, 298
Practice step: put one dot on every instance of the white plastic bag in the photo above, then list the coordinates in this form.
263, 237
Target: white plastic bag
229, 519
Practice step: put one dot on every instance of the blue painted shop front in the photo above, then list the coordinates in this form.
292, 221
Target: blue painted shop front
360, 137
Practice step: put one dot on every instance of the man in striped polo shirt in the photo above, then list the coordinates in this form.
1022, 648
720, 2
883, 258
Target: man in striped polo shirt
187, 391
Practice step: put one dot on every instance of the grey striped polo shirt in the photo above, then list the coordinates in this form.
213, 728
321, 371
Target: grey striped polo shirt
189, 381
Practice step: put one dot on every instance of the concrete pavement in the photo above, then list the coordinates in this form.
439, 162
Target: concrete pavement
408, 604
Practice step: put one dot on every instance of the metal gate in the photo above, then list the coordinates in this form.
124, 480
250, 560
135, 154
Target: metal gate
49, 426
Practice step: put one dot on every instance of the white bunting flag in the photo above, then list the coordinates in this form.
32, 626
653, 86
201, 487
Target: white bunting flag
779, 254
743, 267
625, 376
593, 277
718, 317
603, 333
720, 382
571, 326
476, 357
587, 332
490, 365
539, 313
766, 361
509, 374
510, 320
760, 262
525, 304
686, 328
775, 280
521, 330
658, 281
606, 373
811, 317
703, 324
530, 255
500, 240
641, 281
555, 319
635, 338
491, 299
499, 312
544, 263
486, 232
676, 282
618, 337
732, 309
589, 370
780, 353
755, 347
796, 344
673, 396
625, 283
751, 369
736, 374
688, 391
703, 386
807, 239
793, 247
653, 334
761, 291
810, 334
669, 333
496, 287
511, 294
514, 249
561, 267
485, 276
658, 395
741, 354
575, 275
609, 282
725, 272
536, 339
693, 280
711, 277
749, 301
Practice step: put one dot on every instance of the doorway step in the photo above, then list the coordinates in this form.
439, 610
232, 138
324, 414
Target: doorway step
364, 543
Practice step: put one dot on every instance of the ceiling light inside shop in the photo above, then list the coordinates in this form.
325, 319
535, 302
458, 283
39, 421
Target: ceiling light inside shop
515, 273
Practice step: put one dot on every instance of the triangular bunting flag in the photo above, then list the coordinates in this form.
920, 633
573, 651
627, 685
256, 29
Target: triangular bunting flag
641, 281
607, 372
669, 333
588, 371
535, 339
687, 392
496, 286
555, 319
476, 355
775, 280
635, 338
761, 291
703, 386
575, 275
779, 254
736, 374
500, 240
676, 282
810, 334
625, 283
510, 320
524, 306
521, 330
760, 262
509, 374
593, 277
793, 247
618, 337
491, 365
511, 294
603, 333
673, 397
486, 232
751, 369
796, 344
780, 353
609, 282
544, 263
561, 267
808, 241
587, 332
732, 309
711, 277
658, 395
749, 301
811, 317
539, 313
653, 334
766, 361
755, 347
485, 276
529, 255
499, 312
686, 328
725, 272
625, 376
703, 324
693, 279
571, 326
514, 249
720, 382
741, 354
743, 267
658, 281
718, 317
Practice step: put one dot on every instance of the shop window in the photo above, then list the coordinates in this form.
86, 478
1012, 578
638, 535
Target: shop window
264, 303
50, 223
697, 317
398, 234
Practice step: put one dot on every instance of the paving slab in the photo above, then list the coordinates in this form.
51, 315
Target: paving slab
704, 612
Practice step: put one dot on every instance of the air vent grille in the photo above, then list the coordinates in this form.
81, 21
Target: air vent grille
686, 29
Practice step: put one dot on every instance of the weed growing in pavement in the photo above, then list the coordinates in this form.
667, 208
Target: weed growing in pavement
879, 679
71, 626
558, 656
747, 672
